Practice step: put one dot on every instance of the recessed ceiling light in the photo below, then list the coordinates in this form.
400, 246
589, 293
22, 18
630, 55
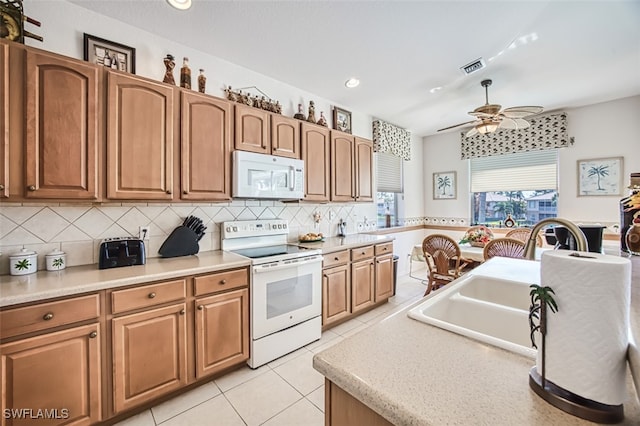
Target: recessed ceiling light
352, 82
180, 4
435, 89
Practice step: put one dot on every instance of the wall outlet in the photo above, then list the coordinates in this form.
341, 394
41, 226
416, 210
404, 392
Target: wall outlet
332, 215
143, 232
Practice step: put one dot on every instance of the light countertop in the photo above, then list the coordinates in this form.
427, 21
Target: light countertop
82, 279
413, 373
333, 244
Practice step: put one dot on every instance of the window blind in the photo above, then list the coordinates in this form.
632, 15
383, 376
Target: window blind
523, 171
389, 172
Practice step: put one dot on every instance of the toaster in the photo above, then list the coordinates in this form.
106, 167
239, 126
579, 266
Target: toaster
124, 251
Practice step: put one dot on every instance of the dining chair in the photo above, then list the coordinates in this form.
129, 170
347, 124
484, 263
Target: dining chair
504, 247
444, 262
523, 234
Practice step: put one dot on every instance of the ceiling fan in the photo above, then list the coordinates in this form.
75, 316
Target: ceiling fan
489, 117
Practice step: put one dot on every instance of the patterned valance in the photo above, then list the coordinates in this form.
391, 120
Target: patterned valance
392, 139
546, 132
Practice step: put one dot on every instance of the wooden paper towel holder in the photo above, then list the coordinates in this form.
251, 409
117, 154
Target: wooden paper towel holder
574, 404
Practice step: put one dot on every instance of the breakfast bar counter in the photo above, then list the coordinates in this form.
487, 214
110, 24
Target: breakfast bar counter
412, 373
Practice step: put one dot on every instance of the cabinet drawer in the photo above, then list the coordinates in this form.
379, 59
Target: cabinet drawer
361, 253
42, 316
148, 295
382, 249
333, 259
221, 281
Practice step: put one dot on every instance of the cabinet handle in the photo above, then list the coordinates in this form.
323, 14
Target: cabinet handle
48, 316
93, 334
1, 187
32, 188
223, 282
182, 312
200, 307
336, 258
168, 191
185, 192
152, 295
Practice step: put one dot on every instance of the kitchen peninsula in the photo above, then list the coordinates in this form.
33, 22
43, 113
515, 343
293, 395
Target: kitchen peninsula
404, 372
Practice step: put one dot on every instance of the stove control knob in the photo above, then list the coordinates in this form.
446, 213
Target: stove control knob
284, 226
235, 229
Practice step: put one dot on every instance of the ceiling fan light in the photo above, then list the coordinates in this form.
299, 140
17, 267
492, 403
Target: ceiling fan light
180, 4
352, 82
487, 127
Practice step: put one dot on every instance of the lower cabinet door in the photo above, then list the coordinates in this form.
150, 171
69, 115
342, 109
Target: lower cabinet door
384, 277
336, 294
52, 379
362, 285
149, 355
222, 331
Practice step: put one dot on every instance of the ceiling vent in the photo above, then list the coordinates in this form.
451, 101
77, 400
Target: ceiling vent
474, 66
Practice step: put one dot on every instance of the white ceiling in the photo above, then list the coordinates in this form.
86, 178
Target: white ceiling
557, 54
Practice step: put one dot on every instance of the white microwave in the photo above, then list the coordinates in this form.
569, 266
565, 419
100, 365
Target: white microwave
267, 176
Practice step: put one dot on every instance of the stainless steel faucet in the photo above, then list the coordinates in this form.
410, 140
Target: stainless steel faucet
530, 246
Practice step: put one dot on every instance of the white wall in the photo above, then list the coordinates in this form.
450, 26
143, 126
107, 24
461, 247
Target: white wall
608, 129
413, 175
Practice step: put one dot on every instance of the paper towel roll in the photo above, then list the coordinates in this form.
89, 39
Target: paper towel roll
587, 339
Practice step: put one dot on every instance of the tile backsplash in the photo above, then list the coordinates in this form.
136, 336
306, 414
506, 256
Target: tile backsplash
78, 229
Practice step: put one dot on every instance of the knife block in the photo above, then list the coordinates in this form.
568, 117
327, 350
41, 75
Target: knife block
181, 242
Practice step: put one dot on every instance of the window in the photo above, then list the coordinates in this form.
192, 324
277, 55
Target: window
389, 183
523, 185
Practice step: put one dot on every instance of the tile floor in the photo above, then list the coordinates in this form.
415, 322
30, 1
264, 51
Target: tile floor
287, 391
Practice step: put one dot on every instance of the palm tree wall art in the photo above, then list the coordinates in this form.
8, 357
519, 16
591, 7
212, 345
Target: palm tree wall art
444, 185
600, 176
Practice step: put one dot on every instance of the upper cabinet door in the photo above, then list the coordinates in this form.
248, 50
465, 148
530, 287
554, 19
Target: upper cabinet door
140, 116
315, 148
364, 170
252, 130
205, 146
62, 128
285, 136
342, 167
4, 121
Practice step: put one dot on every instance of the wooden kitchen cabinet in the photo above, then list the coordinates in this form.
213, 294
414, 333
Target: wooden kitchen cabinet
363, 182
252, 129
362, 278
140, 138
384, 277
149, 355
342, 167
205, 147
222, 331
315, 148
285, 136
4, 121
336, 294
63, 109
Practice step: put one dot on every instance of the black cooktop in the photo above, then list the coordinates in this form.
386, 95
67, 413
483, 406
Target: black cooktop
258, 252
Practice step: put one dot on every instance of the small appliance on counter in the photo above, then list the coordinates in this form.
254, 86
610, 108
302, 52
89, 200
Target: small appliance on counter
23, 262
121, 251
342, 228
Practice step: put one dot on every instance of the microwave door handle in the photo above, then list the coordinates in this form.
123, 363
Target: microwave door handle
292, 178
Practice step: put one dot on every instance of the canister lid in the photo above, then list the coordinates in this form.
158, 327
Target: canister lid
55, 252
23, 253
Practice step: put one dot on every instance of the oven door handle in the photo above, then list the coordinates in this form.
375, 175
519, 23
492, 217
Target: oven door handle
286, 264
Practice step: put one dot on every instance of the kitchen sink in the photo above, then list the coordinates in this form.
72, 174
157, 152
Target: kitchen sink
487, 308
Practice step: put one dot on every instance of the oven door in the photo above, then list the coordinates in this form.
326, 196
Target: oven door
284, 294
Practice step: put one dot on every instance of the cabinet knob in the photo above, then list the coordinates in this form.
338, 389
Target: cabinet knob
336, 258
182, 312
152, 295
48, 316
1, 187
363, 253
168, 191
32, 188
93, 334
223, 282
185, 192
200, 307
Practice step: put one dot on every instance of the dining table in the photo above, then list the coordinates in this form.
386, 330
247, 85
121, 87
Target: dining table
469, 252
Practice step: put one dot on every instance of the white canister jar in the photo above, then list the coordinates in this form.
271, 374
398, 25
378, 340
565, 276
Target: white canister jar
56, 260
23, 262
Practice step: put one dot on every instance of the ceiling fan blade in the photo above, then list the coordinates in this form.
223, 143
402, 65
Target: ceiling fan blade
457, 125
521, 111
513, 123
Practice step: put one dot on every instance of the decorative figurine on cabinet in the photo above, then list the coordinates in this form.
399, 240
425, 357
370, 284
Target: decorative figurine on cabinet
300, 115
312, 113
170, 64
202, 81
322, 120
185, 74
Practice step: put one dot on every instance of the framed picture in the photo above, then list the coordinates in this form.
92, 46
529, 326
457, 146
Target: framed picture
341, 120
444, 186
600, 176
109, 54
